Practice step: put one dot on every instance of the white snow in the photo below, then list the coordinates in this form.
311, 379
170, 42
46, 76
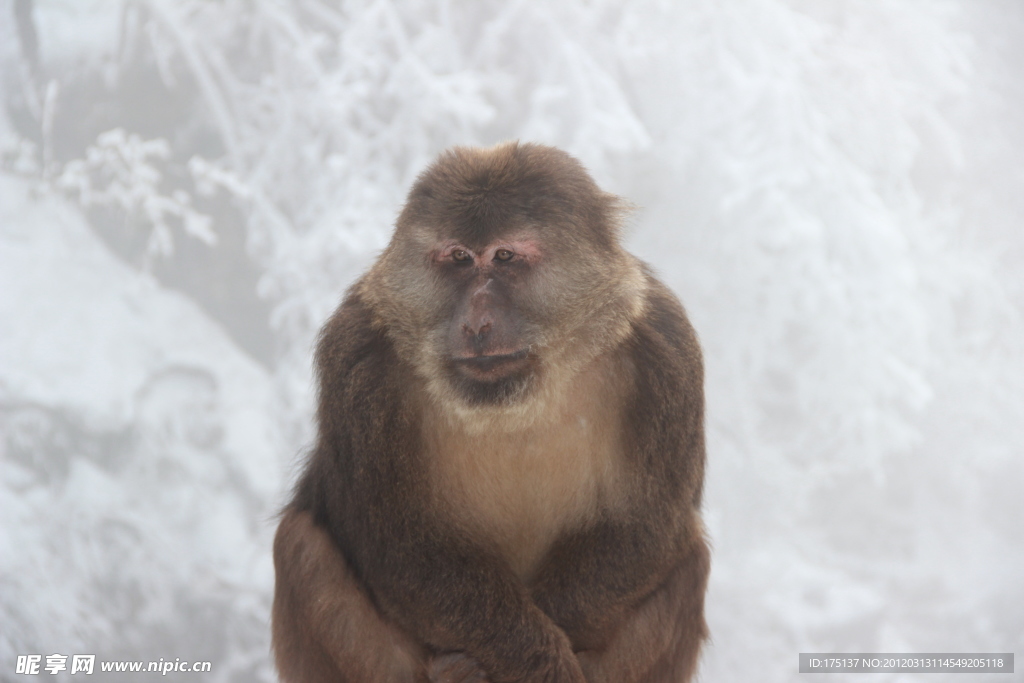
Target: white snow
141, 458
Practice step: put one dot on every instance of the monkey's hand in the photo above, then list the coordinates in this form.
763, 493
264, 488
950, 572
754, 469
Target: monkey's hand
455, 667
563, 668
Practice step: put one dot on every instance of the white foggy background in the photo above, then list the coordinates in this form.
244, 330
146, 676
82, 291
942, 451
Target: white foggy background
834, 189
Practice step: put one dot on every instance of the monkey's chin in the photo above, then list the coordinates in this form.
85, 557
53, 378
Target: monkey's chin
499, 379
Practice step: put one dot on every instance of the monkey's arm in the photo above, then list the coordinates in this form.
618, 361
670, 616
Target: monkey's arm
593, 582
453, 596
323, 622
458, 599
659, 641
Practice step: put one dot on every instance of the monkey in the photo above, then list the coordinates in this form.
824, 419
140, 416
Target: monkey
506, 479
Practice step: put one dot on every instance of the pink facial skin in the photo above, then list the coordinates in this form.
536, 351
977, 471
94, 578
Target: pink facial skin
524, 249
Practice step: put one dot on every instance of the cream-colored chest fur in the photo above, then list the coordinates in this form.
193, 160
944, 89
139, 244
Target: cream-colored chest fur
517, 487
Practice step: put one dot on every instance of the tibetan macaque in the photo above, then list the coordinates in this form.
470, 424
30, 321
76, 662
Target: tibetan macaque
506, 481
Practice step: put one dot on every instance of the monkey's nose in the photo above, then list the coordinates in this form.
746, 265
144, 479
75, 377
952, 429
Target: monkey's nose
477, 332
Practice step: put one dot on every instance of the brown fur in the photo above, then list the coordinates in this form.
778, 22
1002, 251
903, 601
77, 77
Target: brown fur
322, 617
549, 531
519, 488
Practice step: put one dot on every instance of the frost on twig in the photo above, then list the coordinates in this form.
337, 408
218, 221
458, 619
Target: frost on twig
120, 171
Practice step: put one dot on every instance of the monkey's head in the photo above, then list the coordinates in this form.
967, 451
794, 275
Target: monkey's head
505, 264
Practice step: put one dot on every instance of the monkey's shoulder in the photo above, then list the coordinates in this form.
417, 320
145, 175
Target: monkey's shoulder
361, 405
363, 421
664, 415
662, 337
350, 335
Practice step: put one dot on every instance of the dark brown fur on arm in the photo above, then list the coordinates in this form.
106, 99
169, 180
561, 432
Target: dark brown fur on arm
659, 640
326, 629
366, 483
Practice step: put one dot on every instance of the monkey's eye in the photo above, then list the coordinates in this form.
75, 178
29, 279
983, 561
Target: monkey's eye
504, 254
461, 255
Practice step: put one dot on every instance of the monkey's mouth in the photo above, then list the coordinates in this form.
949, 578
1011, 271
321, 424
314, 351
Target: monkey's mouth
492, 367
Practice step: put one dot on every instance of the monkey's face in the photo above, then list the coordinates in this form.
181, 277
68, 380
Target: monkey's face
504, 272
487, 322
489, 333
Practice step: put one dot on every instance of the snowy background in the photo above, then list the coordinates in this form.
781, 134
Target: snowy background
835, 190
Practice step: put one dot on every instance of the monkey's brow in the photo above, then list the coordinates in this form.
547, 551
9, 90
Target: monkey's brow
523, 247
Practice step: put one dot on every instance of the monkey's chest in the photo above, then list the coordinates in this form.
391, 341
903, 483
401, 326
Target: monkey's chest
519, 493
